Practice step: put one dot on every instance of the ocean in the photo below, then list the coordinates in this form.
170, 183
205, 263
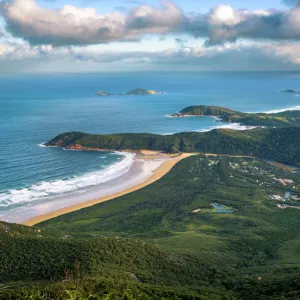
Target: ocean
36, 108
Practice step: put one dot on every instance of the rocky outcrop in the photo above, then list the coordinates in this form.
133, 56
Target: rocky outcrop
103, 93
78, 147
290, 92
179, 115
143, 92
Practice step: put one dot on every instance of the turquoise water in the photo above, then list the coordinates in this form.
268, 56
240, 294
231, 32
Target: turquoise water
218, 206
221, 208
34, 109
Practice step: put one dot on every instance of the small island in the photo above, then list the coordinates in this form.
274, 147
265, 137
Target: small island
290, 92
134, 92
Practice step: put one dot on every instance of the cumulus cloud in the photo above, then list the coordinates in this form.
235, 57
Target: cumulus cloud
224, 24
71, 25
71, 34
80, 26
24, 51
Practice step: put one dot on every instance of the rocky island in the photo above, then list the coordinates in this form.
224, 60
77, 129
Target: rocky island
281, 119
290, 92
103, 93
134, 92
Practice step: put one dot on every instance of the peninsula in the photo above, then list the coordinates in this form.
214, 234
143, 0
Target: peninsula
134, 92
281, 119
276, 144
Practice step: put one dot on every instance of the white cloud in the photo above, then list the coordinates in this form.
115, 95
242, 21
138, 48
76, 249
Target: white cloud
287, 53
71, 25
74, 26
224, 57
73, 34
223, 24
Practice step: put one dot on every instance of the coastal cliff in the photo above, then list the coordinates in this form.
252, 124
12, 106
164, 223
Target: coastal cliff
114, 142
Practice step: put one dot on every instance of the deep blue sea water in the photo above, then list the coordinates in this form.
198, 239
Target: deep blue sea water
35, 108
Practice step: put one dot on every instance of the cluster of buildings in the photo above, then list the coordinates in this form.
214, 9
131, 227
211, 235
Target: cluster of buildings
286, 182
286, 196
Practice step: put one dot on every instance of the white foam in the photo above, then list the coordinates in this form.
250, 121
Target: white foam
233, 126
44, 146
282, 110
48, 189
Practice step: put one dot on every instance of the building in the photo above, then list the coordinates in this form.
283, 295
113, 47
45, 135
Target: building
276, 197
286, 181
287, 196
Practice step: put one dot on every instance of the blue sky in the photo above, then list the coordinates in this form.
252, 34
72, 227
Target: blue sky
186, 5
128, 35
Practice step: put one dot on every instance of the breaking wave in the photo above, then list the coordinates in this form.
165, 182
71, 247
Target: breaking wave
282, 110
49, 189
233, 126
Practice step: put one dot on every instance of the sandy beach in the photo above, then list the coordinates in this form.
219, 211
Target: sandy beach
148, 167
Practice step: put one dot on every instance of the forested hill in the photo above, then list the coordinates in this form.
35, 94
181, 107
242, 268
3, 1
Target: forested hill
278, 144
36, 265
282, 119
203, 110
166, 241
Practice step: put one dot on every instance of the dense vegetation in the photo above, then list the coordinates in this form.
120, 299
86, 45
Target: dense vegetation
102, 262
278, 144
166, 241
35, 264
282, 119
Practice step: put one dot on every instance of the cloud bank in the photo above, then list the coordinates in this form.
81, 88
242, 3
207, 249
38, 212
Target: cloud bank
224, 24
71, 25
83, 26
36, 36
227, 57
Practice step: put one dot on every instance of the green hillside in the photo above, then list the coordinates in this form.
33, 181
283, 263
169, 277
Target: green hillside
167, 241
256, 241
209, 229
278, 144
36, 266
282, 119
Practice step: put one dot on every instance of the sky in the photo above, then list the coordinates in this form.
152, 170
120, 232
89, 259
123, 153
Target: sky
149, 35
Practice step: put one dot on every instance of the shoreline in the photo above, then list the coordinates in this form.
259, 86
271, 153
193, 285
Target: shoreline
218, 118
168, 162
